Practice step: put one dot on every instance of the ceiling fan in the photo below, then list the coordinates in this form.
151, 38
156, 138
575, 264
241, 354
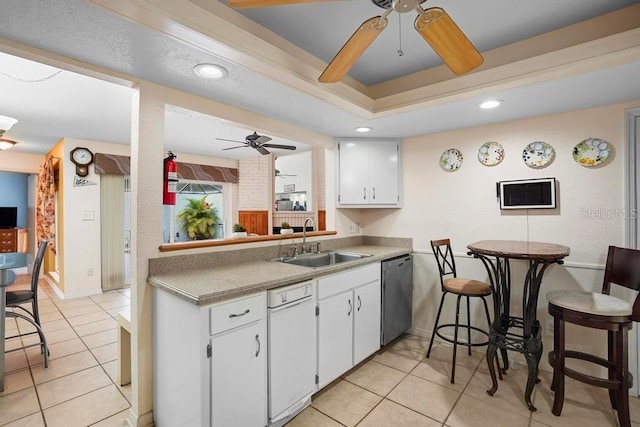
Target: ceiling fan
283, 175
258, 142
4, 142
434, 25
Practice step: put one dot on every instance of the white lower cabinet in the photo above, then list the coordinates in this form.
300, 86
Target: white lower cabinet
366, 323
239, 377
335, 332
348, 320
209, 363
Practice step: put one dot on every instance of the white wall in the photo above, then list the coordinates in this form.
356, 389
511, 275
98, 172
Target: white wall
462, 205
82, 238
81, 243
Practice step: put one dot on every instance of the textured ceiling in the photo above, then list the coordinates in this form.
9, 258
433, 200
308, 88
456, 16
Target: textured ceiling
77, 29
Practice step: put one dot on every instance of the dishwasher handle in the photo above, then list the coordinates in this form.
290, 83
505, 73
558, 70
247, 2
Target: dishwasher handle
291, 304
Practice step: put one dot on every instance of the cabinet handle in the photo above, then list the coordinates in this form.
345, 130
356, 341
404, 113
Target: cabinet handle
350, 308
359, 303
258, 350
232, 315
374, 193
364, 193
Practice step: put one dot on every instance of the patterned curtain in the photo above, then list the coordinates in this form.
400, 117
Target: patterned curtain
45, 205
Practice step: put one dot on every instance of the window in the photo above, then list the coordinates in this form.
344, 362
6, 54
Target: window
213, 194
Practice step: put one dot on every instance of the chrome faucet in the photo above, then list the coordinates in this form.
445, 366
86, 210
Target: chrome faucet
304, 232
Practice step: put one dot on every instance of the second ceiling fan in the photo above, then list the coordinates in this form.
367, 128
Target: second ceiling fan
257, 142
434, 25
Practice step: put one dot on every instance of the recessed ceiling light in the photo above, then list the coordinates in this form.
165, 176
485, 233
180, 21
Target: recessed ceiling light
364, 129
210, 71
492, 103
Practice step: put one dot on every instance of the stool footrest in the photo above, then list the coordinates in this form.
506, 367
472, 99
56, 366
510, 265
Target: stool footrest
461, 342
589, 379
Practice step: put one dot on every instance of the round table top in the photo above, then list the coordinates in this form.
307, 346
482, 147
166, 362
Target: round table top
519, 249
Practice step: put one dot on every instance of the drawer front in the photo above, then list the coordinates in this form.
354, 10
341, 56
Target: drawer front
346, 280
7, 234
238, 312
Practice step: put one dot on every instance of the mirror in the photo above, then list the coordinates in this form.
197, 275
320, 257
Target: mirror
293, 182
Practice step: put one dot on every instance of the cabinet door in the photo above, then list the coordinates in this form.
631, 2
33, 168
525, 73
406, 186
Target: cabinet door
239, 377
383, 173
366, 330
354, 173
335, 336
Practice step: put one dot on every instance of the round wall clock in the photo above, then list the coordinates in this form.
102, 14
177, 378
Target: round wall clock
82, 158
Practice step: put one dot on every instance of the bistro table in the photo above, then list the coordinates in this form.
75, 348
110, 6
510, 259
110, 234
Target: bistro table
495, 255
7, 262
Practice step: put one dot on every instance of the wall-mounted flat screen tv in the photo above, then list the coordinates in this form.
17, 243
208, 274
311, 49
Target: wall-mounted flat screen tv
8, 217
528, 194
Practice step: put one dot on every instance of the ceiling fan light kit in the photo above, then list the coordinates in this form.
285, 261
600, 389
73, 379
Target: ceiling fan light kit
6, 123
6, 144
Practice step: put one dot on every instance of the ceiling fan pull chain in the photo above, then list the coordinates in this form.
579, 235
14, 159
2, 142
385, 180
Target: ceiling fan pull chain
400, 52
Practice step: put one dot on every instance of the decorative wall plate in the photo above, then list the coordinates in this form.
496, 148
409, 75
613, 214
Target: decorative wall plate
490, 153
537, 154
591, 152
451, 160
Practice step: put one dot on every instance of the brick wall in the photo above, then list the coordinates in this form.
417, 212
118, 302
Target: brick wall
253, 184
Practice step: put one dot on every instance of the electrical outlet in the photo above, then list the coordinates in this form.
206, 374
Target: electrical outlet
89, 271
548, 327
353, 227
513, 364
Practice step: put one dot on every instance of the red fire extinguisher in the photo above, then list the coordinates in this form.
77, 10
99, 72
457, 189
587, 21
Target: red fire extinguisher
170, 181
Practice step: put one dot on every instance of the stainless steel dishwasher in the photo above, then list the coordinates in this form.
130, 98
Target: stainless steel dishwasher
397, 297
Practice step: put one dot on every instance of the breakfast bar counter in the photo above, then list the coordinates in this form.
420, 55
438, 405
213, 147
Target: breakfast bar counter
202, 285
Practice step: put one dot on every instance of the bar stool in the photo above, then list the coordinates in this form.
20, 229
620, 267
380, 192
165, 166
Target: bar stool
467, 288
599, 311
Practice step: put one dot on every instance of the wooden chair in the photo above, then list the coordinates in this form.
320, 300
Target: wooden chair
467, 288
600, 311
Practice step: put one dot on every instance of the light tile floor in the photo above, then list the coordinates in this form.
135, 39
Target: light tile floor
396, 387
80, 387
399, 387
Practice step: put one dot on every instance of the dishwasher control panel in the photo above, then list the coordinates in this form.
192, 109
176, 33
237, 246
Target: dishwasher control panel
288, 294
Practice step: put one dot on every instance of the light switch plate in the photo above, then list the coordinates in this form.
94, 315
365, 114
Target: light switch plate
87, 215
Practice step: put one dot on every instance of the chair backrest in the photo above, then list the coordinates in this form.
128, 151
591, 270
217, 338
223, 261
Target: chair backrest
623, 269
37, 264
444, 257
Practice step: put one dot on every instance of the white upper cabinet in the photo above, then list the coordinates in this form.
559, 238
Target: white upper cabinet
369, 173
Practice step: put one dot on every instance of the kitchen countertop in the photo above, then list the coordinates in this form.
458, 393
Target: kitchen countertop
209, 285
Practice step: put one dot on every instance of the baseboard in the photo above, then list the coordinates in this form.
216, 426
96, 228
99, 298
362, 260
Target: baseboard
67, 296
144, 420
420, 332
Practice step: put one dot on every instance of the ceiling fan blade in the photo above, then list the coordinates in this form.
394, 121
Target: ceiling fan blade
262, 139
233, 148
447, 39
230, 140
282, 147
241, 4
262, 150
353, 49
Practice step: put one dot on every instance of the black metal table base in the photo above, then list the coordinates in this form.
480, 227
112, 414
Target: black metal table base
529, 341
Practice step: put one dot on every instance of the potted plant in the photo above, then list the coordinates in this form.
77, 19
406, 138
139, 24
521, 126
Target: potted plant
285, 228
198, 218
238, 231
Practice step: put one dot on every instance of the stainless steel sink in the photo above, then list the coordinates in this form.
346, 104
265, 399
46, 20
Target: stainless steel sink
322, 259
